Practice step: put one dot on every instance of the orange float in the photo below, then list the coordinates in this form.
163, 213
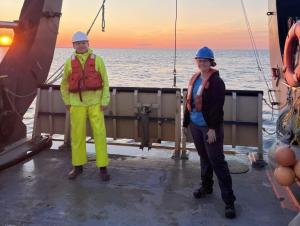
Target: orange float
285, 176
291, 74
297, 169
285, 156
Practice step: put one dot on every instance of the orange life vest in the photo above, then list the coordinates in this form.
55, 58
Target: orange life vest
198, 98
87, 78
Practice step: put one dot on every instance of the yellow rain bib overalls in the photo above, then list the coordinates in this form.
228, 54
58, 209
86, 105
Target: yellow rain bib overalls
83, 105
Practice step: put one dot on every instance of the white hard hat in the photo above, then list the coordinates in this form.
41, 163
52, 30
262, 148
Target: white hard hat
79, 36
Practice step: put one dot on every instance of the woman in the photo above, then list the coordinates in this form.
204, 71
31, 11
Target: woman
204, 114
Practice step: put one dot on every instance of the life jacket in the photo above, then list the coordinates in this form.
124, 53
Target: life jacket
87, 78
198, 98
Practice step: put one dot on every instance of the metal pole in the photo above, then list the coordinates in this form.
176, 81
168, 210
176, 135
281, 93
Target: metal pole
9, 25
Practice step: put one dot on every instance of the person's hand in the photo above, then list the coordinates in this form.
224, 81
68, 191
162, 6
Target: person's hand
103, 107
68, 107
211, 136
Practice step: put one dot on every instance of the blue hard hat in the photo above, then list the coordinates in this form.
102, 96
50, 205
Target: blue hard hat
205, 53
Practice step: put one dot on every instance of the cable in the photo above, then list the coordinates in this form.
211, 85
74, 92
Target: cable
175, 46
256, 54
20, 96
58, 71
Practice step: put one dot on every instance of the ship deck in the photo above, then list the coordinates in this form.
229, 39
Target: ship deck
144, 190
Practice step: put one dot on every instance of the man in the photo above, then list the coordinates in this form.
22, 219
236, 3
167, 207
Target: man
85, 92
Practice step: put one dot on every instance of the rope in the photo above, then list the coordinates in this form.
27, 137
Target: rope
288, 122
103, 20
267, 132
256, 54
58, 73
175, 46
103, 17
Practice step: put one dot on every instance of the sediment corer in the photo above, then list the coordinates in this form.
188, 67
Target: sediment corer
145, 122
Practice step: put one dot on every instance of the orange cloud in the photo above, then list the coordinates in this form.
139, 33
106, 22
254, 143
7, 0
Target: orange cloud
150, 24
217, 39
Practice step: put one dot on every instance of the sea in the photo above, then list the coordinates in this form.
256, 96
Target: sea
154, 68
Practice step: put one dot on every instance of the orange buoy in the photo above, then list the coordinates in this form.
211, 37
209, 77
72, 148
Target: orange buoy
285, 156
285, 176
297, 169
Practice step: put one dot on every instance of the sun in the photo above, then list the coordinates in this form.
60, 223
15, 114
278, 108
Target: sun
5, 40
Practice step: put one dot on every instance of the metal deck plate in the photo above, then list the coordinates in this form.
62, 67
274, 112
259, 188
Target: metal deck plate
142, 191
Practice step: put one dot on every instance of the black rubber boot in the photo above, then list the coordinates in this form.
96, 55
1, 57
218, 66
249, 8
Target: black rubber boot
103, 174
201, 192
230, 211
75, 172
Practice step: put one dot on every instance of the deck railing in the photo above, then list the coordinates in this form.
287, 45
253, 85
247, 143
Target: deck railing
153, 115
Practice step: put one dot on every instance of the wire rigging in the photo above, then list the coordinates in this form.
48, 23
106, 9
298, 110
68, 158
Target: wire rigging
257, 58
175, 44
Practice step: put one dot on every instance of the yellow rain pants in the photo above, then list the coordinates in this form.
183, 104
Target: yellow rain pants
79, 115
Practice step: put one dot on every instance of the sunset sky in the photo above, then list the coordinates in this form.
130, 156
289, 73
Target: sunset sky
150, 23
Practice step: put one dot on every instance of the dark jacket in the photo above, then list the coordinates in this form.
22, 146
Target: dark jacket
212, 105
